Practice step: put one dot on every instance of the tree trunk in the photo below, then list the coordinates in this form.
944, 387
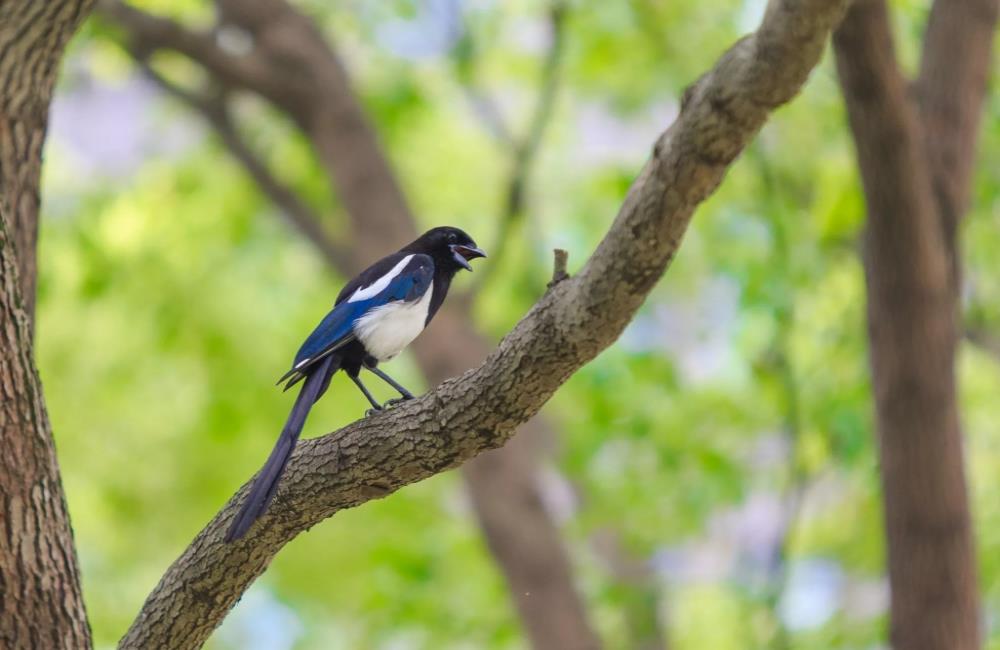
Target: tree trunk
40, 599
915, 179
32, 38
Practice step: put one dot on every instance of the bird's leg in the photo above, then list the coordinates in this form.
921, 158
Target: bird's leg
375, 405
392, 382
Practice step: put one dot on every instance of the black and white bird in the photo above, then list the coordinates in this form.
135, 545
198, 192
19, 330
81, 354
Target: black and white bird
375, 316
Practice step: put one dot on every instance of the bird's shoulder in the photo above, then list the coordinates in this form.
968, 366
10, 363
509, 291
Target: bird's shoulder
404, 270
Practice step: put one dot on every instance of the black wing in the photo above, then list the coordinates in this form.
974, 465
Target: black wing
337, 329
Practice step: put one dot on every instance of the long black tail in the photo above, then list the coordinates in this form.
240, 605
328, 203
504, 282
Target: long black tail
267, 479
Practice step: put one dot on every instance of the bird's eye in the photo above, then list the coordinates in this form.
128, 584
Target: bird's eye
452, 238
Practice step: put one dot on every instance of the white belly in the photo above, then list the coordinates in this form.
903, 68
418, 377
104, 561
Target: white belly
386, 330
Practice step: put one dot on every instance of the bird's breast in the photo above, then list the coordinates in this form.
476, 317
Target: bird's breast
386, 330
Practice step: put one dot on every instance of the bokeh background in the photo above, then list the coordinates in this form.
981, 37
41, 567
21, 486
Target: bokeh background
713, 473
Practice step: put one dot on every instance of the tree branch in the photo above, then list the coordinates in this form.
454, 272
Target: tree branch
571, 324
335, 124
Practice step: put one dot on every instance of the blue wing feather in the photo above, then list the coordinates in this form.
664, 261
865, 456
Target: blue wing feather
337, 328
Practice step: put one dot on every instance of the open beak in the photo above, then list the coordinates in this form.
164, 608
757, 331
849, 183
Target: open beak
463, 254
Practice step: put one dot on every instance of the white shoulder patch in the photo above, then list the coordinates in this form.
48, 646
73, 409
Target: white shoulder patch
375, 287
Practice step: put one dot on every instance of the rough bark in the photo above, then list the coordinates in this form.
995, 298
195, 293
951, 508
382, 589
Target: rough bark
40, 600
915, 163
318, 97
571, 323
32, 38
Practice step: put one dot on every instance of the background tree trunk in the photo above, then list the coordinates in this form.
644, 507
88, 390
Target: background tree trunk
40, 600
916, 176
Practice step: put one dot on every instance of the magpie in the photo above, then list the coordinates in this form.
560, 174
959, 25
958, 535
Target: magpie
375, 316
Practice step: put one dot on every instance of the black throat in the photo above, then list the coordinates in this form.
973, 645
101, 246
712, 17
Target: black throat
445, 269
442, 282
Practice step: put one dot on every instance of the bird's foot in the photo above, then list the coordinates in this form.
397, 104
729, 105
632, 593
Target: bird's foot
398, 400
372, 411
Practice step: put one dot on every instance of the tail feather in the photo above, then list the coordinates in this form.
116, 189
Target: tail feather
266, 482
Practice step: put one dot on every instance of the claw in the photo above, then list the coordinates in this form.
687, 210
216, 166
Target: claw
372, 411
395, 401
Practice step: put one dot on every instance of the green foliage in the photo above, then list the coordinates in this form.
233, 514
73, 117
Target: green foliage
173, 296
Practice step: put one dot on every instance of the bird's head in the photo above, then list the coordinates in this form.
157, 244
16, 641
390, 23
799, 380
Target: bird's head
450, 247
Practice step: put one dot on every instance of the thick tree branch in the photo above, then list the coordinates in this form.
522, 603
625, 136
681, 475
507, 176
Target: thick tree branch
571, 324
333, 120
335, 123
909, 260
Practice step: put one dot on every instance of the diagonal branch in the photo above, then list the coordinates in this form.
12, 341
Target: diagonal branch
569, 326
334, 122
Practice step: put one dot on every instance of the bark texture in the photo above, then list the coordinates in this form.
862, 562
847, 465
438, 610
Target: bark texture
32, 38
576, 319
40, 600
298, 70
916, 160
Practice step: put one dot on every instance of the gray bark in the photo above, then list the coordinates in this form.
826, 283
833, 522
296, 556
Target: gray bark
326, 109
576, 319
